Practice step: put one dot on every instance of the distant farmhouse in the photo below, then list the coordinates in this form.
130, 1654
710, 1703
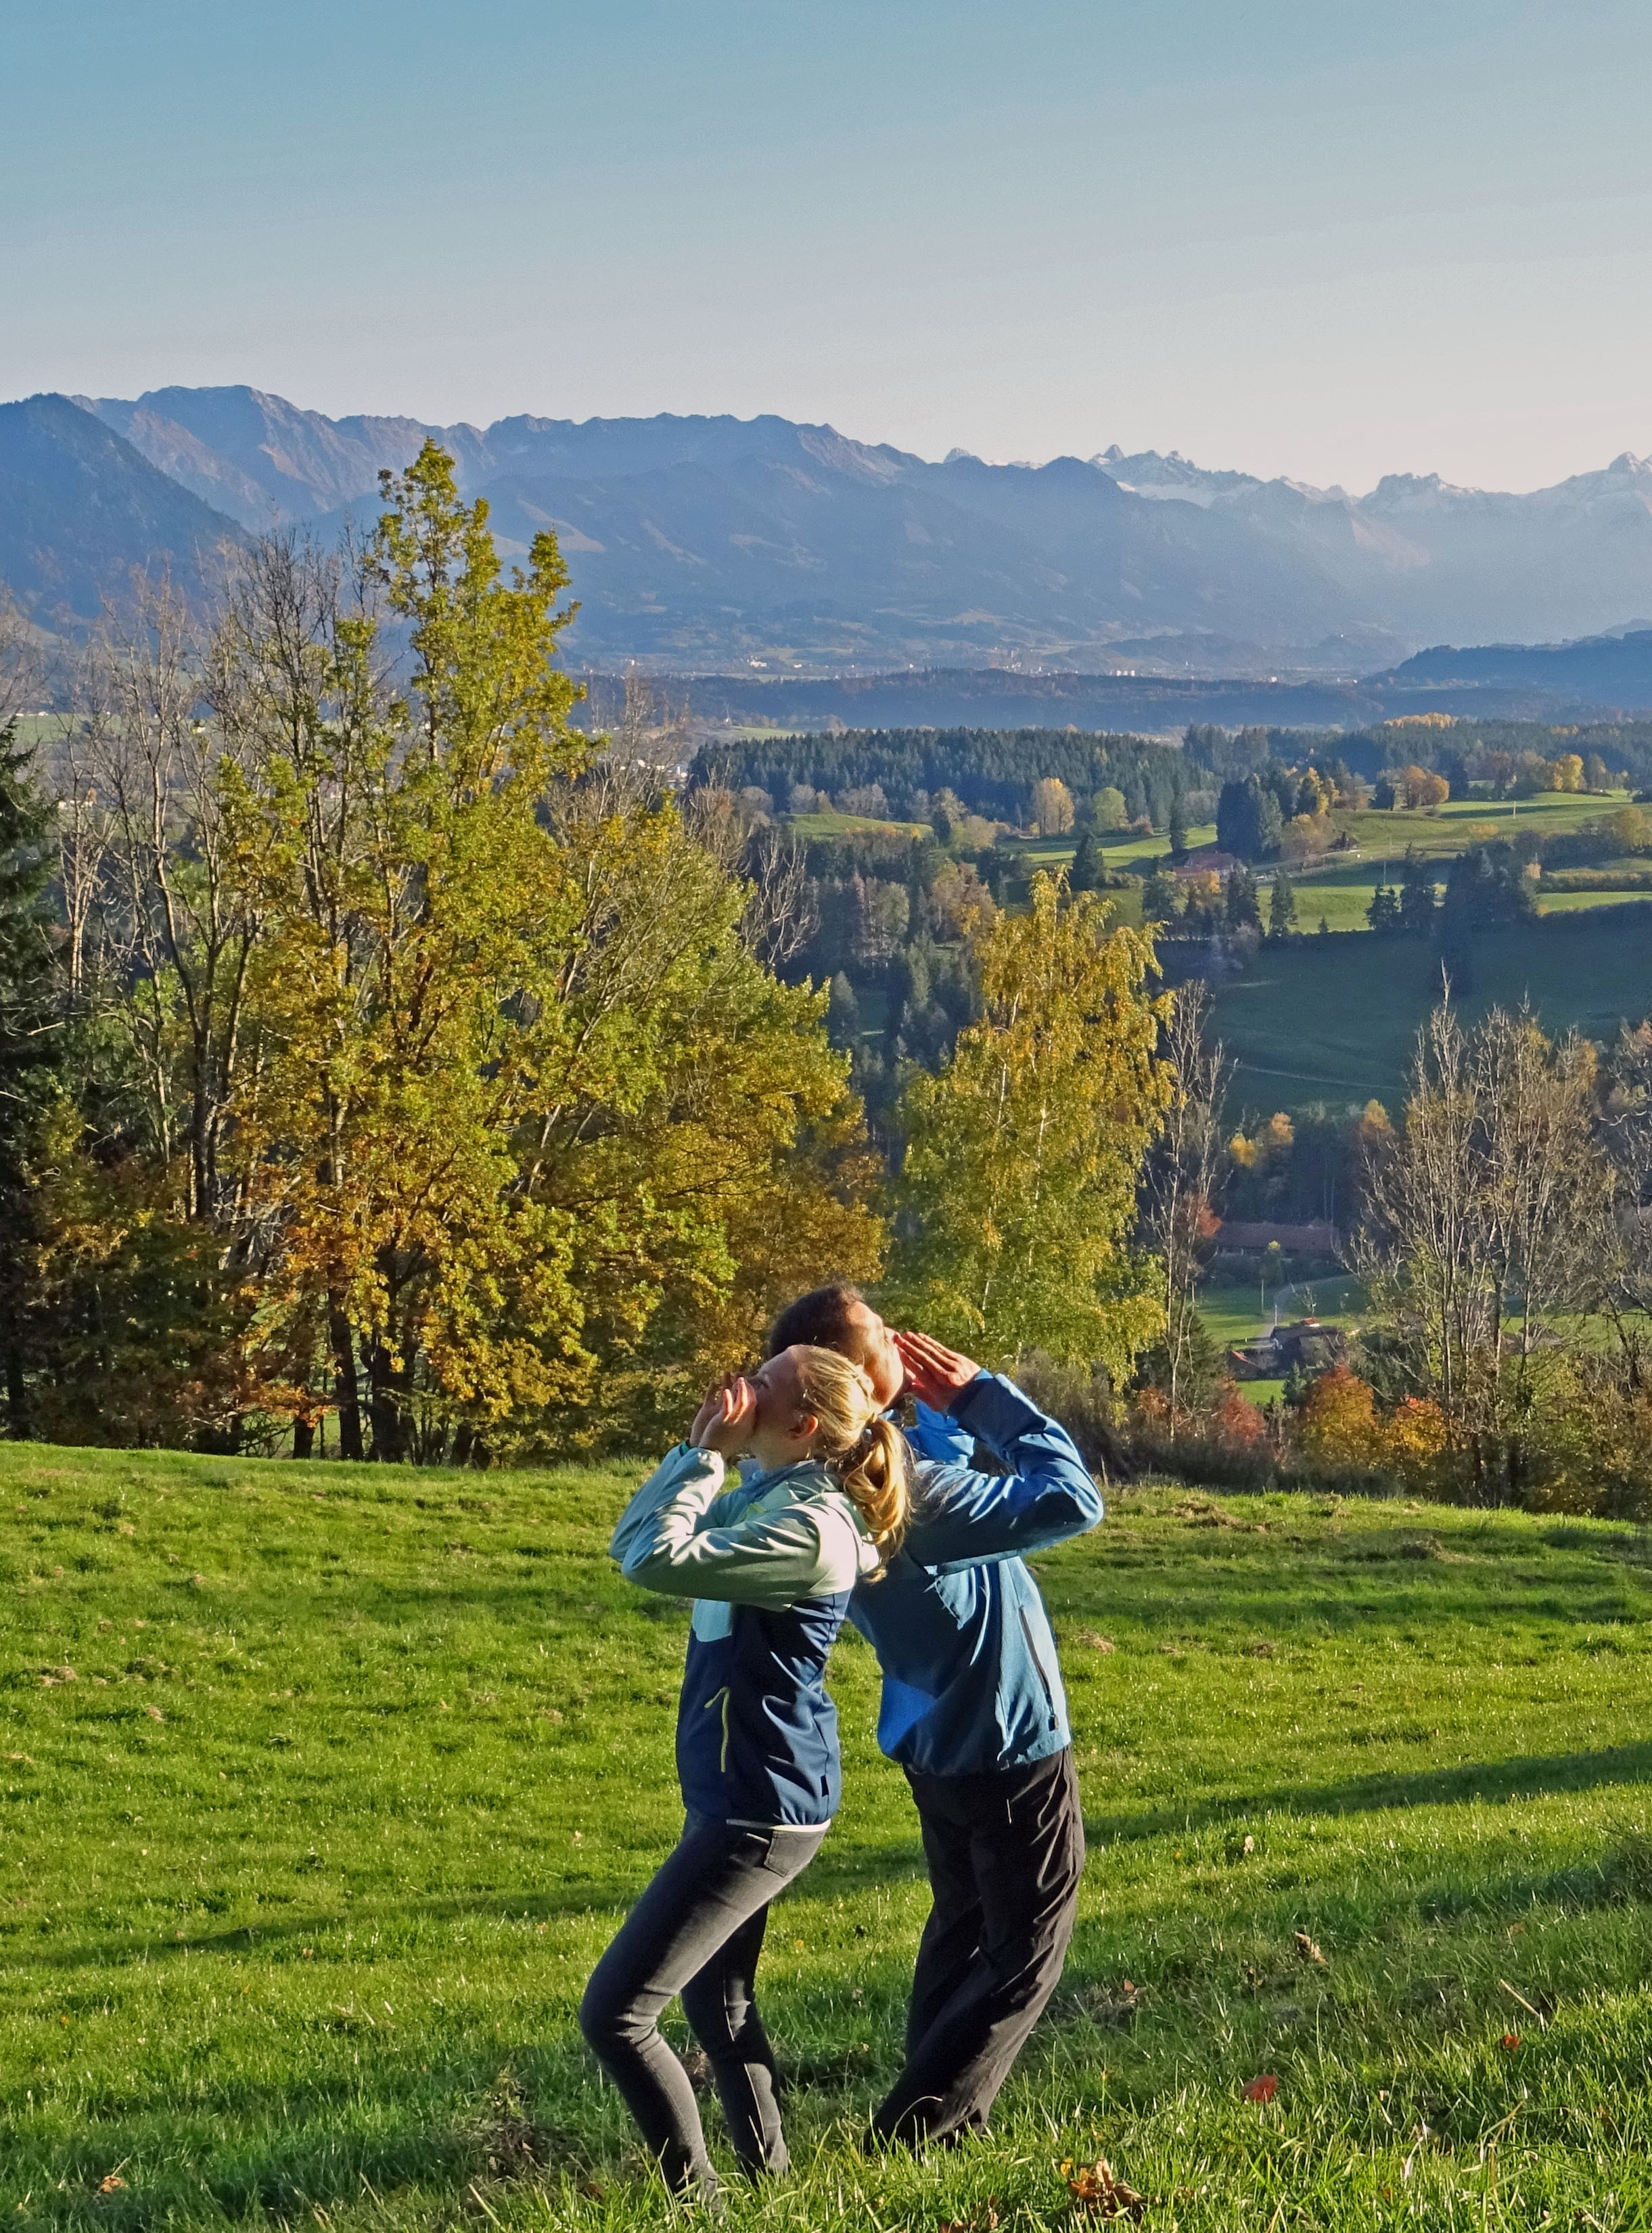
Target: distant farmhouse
1308, 1346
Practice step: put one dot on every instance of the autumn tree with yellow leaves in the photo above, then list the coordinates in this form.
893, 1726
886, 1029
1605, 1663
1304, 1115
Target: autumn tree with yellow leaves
1024, 1155
521, 1136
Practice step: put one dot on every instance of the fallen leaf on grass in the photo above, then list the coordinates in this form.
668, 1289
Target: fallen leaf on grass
1510, 2040
1098, 2188
1097, 1642
984, 2220
154, 1713
108, 2185
1261, 2089
1309, 1951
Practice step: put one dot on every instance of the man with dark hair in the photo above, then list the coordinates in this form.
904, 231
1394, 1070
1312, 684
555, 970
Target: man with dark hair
972, 1708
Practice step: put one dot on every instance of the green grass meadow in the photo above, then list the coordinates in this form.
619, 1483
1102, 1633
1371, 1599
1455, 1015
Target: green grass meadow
324, 1787
1335, 1019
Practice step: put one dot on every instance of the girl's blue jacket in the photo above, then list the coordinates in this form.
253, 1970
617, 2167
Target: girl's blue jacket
770, 1563
971, 1680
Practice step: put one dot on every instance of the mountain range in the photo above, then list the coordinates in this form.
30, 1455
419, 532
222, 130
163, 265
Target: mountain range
764, 546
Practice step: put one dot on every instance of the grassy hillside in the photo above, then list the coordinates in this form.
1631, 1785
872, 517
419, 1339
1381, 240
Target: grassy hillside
1335, 1019
1440, 831
323, 1789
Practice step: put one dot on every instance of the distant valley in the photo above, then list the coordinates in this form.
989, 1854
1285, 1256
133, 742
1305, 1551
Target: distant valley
766, 548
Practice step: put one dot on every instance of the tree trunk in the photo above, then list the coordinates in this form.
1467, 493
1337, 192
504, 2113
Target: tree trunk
384, 1408
349, 1389
16, 1393
303, 1438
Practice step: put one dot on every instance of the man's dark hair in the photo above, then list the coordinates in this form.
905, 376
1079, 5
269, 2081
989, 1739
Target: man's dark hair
820, 1319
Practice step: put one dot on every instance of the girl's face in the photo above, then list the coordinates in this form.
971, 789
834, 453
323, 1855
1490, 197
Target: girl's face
782, 1430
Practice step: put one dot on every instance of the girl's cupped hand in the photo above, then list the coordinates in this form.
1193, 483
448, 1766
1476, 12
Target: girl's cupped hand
935, 1374
724, 1421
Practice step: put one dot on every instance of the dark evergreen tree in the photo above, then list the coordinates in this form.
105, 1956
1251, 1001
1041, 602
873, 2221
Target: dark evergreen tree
1178, 830
1087, 874
842, 1012
1282, 908
1159, 898
1416, 893
997, 868
1486, 888
1278, 779
1244, 908
1248, 820
1383, 911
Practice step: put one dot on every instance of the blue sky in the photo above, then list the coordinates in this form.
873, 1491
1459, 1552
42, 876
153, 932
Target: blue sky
1331, 240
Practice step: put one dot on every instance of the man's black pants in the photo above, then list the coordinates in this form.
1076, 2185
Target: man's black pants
1006, 1852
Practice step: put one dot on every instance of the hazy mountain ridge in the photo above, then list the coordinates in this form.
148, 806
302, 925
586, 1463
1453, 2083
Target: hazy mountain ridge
80, 508
1561, 561
1612, 670
706, 542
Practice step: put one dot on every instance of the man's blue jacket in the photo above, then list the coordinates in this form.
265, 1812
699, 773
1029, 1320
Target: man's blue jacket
971, 1681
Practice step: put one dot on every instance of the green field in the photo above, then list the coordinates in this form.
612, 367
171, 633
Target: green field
1337, 887
324, 1788
831, 824
1234, 1314
1335, 1019
1384, 836
1575, 902
1119, 848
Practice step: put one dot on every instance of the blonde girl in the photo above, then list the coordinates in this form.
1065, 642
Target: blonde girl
770, 1563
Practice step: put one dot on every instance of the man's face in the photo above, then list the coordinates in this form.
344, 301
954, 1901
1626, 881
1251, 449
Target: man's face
877, 1354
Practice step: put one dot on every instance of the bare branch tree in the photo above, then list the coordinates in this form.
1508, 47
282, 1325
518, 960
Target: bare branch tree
1625, 1130
1180, 1174
1488, 1214
174, 915
22, 666
642, 763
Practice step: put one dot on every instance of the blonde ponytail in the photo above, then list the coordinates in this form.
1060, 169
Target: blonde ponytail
866, 1451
